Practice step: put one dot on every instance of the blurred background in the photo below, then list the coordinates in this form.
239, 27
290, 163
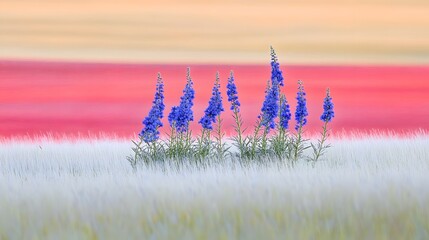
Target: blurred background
90, 65
305, 31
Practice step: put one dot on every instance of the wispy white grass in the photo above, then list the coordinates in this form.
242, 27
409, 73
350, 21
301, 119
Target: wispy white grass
364, 188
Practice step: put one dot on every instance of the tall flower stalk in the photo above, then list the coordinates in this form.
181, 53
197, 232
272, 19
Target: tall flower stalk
180, 116
271, 105
180, 142
326, 117
239, 141
276, 73
149, 135
301, 114
212, 115
152, 122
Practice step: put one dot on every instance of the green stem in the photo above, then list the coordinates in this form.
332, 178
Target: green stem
254, 140
188, 142
219, 139
181, 142
322, 141
154, 151
281, 139
172, 147
264, 141
207, 143
138, 149
298, 143
204, 144
239, 132
136, 153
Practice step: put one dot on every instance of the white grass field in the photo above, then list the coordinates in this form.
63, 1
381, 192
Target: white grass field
368, 188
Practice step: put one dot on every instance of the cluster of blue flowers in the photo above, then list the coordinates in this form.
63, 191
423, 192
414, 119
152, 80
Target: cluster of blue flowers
328, 108
270, 107
282, 142
152, 122
232, 93
301, 112
181, 115
276, 73
285, 113
215, 106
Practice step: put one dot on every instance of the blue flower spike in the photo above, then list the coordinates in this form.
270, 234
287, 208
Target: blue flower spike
153, 122
215, 106
276, 73
285, 114
180, 116
232, 93
301, 112
328, 108
270, 107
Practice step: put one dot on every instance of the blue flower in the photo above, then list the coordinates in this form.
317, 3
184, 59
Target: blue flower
285, 113
276, 73
153, 122
270, 106
181, 115
232, 93
301, 107
173, 115
328, 108
215, 106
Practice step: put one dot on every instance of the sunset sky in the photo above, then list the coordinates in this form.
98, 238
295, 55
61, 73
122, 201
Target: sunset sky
90, 66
